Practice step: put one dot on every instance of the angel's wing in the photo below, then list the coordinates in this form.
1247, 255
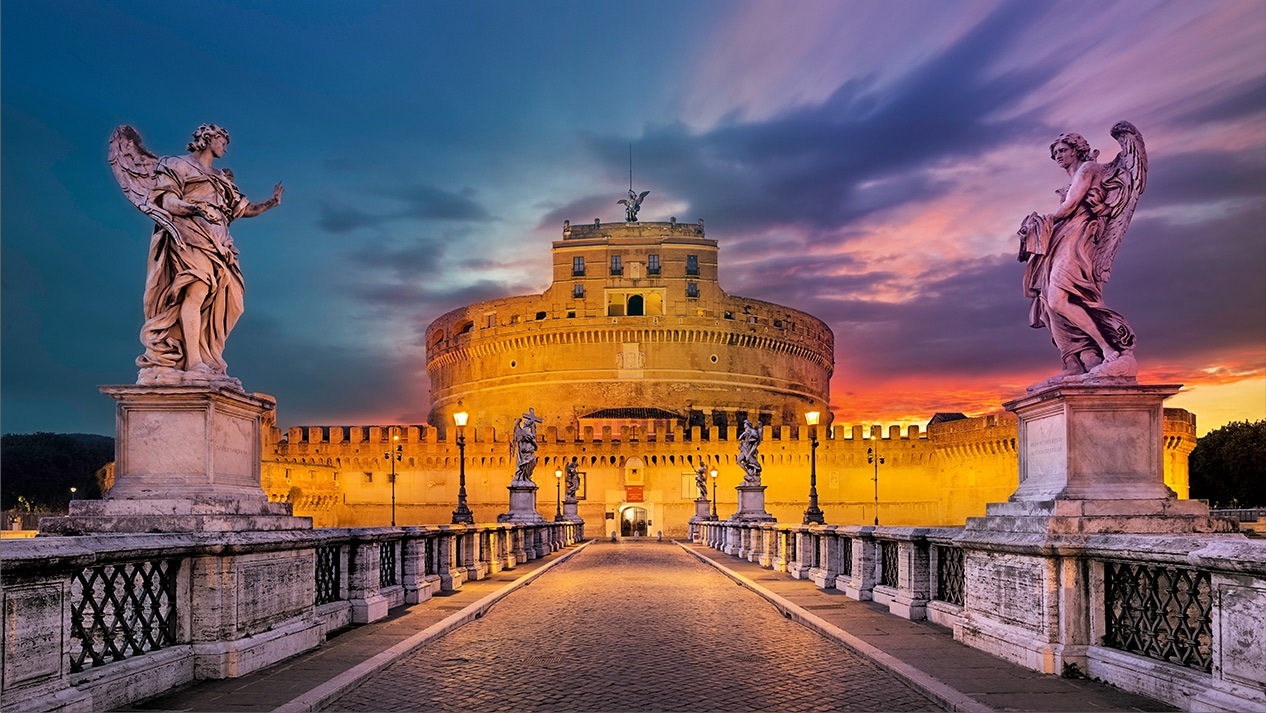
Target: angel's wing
642, 197
133, 167
623, 201
1123, 182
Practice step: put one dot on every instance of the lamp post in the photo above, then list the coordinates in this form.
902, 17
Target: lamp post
872, 457
813, 514
558, 493
394, 456
73, 490
462, 515
714, 494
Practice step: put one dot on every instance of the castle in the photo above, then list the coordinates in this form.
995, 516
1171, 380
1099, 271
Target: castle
643, 370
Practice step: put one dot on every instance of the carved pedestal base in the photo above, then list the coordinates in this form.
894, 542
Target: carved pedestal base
751, 502
1090, 458
187, 459
522, 505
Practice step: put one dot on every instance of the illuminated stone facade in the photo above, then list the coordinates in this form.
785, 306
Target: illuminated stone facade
633, 330
338, 476
643, 369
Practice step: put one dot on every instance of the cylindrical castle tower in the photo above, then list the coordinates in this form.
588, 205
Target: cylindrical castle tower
634, 328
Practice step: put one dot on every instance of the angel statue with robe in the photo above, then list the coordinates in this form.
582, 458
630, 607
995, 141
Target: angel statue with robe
1069, 255
523, 446
193, 283
632, 205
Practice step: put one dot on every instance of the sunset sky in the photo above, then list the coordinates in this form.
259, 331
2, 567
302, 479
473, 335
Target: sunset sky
866, 162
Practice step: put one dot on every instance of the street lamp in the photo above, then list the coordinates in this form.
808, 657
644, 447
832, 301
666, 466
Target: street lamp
393, 456
872, 457
462, 515
813, 514
558, 492
714, 494
73, 490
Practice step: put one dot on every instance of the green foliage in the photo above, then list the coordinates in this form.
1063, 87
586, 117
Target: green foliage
1228, 466
39, 469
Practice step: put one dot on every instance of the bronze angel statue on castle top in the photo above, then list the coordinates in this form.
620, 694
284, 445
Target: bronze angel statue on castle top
1069, 255
193, 283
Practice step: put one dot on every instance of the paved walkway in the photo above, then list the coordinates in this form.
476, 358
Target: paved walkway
645, 626
926, 654
634, 627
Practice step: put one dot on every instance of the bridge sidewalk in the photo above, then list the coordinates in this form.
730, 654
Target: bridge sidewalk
309, 680
923, 653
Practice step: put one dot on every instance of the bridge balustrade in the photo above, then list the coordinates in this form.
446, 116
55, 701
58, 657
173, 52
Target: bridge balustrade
101, 621
1171, 617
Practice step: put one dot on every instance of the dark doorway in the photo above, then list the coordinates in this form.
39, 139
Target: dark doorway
633, 522
636, 308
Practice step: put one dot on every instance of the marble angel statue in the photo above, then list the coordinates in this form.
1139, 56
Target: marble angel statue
632, 204
193, 283
523, 446
1069, 255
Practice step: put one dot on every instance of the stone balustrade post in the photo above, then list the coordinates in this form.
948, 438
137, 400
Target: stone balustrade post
914, 571
519, 544
865, 557
364, 591
826, 565
804, 551
452, 575
734, 540
418, 587
766, 548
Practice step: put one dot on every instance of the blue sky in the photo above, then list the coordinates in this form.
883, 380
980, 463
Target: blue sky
866, 162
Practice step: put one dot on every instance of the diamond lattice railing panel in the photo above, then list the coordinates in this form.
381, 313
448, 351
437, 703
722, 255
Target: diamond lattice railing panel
1164, 613
121, 610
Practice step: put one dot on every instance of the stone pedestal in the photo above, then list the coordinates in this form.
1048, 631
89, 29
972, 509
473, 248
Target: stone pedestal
702, 514
569, 511
522, 504
751, 502
1090, 460
187, 459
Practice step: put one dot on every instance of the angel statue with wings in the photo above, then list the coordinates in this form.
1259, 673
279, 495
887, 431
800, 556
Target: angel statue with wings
193, 283
632, 205
1069, 255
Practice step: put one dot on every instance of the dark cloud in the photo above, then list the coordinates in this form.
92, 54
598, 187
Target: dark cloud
860, 151
579, 210
338, 217
432, 203
1182, 178
1246, 100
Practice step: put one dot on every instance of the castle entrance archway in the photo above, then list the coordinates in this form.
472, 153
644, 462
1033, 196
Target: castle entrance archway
634, 521
636, 306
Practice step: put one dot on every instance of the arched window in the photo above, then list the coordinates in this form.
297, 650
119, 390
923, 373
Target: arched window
636, 307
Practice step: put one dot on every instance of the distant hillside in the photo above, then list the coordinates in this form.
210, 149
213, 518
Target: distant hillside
43, 467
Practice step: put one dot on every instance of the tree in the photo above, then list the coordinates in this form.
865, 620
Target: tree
41, 468
1228, 466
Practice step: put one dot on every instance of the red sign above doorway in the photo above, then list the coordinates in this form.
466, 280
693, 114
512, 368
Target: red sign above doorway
633, 493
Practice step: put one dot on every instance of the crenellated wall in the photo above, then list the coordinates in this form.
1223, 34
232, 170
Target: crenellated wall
338, 474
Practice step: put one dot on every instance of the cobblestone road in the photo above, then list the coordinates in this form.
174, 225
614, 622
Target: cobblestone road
633, 627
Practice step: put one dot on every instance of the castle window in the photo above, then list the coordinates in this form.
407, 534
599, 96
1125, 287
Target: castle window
369, 477
652, 264
466, 328
577, 290
692, 264
617, 265
729, 314
540, 316
491, 320
636, 306
692, 289
578, 267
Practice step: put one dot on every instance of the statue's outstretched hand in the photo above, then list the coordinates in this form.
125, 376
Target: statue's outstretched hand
277, 191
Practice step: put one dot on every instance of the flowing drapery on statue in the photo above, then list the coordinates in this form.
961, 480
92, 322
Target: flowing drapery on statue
1069, 255
749, 455
194, 289
523, 446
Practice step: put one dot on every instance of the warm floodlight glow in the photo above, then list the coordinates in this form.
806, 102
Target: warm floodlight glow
460, 418
713, 473
558, 474
812, 418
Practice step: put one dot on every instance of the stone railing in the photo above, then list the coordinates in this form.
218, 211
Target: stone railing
98, 622
1174, 617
